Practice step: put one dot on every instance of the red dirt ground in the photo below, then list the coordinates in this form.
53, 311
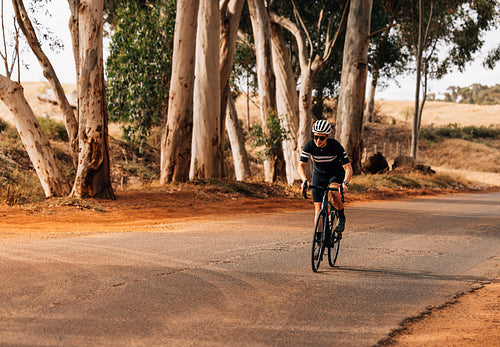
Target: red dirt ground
474, 320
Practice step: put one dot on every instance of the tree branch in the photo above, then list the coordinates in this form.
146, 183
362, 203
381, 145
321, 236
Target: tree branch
295, 31
427, 30
48, 70
330, 44
379, 31
299, 19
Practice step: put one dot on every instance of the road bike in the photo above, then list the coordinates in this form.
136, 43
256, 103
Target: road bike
324, 236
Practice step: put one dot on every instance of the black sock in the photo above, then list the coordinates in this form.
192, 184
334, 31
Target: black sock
341, 213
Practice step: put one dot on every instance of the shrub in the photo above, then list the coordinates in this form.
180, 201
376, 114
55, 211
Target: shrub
470, 133
272, 140
53, 129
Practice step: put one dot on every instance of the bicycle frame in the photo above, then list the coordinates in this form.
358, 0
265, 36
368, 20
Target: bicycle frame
324, 231
324, 206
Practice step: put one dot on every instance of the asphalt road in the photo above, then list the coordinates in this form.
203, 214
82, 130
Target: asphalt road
248, 280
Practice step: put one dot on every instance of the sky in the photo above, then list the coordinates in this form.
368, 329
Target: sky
404, 89
474, 73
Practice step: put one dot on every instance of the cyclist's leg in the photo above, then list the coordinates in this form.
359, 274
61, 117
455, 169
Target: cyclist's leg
336, 199
317, 209
335, 182
317, 195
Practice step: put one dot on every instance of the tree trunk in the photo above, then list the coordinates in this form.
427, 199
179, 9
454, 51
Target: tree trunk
206, 155
353, 82
176, 138
287, 102
235, 134
73, 28
50, 74
414, 130
93, 171
230, 20
311, 63
370, 104
261, 27
422, 38
42, 156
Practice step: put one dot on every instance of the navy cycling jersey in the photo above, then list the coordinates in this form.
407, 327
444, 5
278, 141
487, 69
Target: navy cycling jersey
328, 161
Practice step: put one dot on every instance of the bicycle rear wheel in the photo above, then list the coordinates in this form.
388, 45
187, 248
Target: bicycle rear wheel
333, 249
318, 244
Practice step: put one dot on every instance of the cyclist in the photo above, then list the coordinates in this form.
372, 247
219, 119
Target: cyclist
331, 166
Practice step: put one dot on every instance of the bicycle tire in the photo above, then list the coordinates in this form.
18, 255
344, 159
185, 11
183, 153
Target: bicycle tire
318, 244
334, 246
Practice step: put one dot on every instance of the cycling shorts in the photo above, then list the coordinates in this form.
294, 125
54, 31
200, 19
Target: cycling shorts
322, 181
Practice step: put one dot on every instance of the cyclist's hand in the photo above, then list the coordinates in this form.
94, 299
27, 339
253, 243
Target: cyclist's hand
345, 187
303, 187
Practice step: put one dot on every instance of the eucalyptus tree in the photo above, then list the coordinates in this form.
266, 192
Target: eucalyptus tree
261, 27
41, 154
441, 35
315, 27
30, 34
303, 35
353, 82
287, 102
386, 57
177, 134
138, 68
237, 140
206, 154
38, 148
230, 15
93, 177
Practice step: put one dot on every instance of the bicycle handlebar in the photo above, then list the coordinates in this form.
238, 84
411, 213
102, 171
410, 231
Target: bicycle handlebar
323, 188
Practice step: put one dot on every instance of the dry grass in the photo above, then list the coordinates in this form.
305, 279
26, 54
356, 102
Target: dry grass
442, 113
40, 108
460, 154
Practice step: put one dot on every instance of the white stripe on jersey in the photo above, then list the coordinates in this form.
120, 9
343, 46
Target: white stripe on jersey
305, 155
324, 159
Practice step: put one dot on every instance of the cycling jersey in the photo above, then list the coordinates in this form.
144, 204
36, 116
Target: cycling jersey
328, 163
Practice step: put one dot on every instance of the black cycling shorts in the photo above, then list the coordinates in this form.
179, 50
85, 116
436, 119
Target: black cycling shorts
317, 180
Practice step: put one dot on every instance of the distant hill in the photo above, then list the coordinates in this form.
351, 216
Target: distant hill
441, 113
476, 94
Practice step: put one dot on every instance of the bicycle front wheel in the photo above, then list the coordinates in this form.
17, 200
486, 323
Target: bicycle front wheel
333, 249
318, 244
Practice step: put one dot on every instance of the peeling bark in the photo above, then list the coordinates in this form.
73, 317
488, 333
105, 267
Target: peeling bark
353, 82
176, 137
206, 153
261, 27
93, 171
230, 14
235, 134
43, 158
287, 102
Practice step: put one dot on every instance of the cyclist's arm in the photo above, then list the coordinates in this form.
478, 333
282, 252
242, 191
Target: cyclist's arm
302, 173
302, 170
348, 174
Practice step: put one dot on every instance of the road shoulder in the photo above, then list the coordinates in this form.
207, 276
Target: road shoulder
469, 320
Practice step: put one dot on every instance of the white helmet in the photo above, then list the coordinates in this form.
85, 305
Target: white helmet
322, 127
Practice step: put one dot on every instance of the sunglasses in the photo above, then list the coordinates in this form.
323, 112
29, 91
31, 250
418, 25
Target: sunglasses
316, 137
